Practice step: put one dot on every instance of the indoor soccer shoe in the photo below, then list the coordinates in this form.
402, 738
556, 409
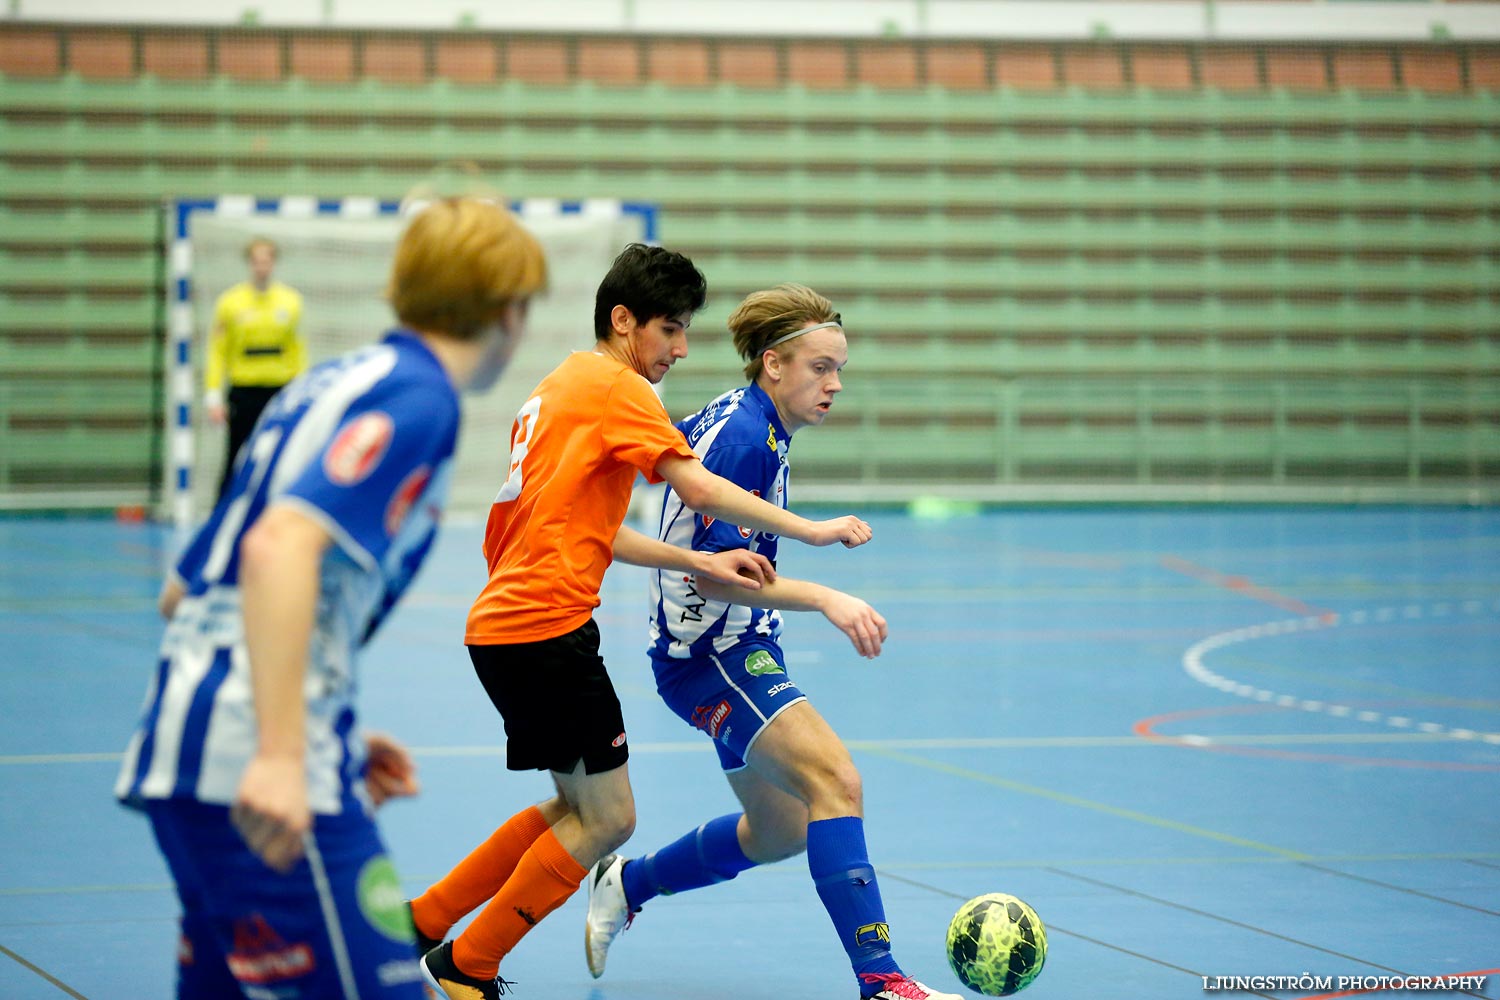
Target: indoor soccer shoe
445, 978
894, 986
609, 913
424, 943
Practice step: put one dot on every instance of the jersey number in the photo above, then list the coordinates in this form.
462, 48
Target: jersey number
520, 444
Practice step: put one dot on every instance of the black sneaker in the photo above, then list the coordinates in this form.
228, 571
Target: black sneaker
424, 943
443, 976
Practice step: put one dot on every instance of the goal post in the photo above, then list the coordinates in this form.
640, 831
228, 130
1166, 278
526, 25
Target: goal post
337, 254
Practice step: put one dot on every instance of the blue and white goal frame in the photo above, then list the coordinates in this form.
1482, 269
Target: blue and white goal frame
181, 390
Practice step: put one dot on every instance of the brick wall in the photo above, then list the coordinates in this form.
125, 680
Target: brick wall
404, 57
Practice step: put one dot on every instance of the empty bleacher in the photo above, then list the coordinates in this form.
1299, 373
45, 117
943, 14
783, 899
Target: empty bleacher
1128, 285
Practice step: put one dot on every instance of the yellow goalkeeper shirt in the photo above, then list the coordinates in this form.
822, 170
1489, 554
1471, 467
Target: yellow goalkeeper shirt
256, 339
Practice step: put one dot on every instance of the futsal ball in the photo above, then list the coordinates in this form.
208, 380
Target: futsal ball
996, 944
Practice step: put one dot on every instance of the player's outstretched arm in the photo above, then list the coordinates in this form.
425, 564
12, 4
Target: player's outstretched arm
865, 627
279, 561
711, 494
739, 569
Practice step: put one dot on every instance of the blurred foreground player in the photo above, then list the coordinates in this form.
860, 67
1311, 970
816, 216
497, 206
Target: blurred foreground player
248, 759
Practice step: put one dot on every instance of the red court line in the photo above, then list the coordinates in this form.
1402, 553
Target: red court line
1245, 586
1355, 993
1146, 730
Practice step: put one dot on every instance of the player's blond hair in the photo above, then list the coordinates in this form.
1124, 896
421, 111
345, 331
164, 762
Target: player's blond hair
767, 316
262, 241
460, 262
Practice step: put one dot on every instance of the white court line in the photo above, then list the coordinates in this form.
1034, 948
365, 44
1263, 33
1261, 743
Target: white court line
1192, 662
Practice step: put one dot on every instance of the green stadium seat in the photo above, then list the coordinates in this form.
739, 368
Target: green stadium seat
76, 312
75, 269
1066, 284
797, 146
726, 103
78, 449
76, 226
731, 230
74, 398
89, 181
78, 356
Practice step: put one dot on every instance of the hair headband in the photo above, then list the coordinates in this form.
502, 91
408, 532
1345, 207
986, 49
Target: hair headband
833, 324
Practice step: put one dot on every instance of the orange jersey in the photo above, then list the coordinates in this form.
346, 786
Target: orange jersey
576, 447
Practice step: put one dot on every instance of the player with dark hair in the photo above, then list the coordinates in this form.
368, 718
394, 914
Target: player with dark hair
720, 667
248, 758
578, 443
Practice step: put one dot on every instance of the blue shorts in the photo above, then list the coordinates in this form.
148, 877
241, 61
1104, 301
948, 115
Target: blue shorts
730, 696
335, 929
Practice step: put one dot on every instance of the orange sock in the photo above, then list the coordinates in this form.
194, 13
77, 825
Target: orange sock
479, 876
545, 877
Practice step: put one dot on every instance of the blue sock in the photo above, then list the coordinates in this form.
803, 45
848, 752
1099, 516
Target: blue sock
841, 871
709, 854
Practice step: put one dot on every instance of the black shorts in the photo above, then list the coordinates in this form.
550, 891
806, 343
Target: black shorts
557, 701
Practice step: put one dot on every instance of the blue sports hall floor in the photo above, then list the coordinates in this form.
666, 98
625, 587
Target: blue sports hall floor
1201, 742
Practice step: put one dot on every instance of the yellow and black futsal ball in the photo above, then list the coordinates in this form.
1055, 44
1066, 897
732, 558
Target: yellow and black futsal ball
996, 944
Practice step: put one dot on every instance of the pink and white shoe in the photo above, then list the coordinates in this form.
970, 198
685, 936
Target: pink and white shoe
894, 986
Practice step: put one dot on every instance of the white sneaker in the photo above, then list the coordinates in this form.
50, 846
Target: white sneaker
609, 913
896, 987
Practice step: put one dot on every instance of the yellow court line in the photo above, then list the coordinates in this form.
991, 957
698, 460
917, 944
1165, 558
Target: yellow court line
1082, 803
915, 743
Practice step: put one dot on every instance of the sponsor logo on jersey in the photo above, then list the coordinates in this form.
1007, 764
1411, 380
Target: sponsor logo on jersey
872, 934
770, 437
760, 663
398, 972
776, 689
618, 741
692, 602
261, 956
747, 532
405, 498
358, 448
710, 719
744, 532
381, 901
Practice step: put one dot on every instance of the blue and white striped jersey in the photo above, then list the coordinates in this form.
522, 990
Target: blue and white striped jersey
364, 445
740, 437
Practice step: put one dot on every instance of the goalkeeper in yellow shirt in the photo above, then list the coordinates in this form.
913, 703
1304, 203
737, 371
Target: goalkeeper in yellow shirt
254, 349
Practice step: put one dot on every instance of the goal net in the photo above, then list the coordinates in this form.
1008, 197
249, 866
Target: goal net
337, 254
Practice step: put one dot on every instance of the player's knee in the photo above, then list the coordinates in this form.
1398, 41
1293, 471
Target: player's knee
844, 788
612, 829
